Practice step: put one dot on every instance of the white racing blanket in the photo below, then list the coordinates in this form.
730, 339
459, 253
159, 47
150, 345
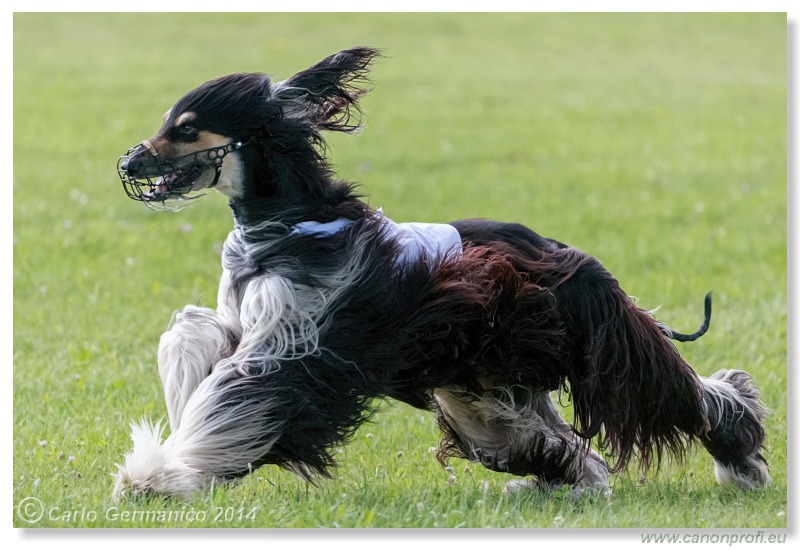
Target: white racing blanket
431, 241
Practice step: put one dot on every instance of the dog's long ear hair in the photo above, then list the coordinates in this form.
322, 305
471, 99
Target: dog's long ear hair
326, 94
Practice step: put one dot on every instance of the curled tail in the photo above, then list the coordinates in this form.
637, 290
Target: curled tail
697, 334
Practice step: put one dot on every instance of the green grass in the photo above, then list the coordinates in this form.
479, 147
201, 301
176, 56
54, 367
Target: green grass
655, 142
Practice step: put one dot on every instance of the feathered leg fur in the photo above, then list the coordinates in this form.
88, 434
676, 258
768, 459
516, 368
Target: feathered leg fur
520, 434
188, 351
735, 431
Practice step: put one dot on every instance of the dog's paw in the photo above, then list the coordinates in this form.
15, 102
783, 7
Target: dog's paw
492, 459
521, 484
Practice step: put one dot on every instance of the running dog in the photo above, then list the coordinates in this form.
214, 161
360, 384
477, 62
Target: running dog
326, 306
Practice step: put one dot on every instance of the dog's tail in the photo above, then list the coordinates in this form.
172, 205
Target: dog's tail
699, 332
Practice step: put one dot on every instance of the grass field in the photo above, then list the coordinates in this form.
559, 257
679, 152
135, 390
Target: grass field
656, 142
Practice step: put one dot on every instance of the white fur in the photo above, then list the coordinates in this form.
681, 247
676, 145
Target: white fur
187, 352
154, 468
205, 446
721, 389
224, 443
754, 476
279, 319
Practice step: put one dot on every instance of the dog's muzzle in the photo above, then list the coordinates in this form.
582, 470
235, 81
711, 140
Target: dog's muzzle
147, 178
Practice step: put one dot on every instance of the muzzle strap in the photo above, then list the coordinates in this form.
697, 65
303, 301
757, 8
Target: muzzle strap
154, 186
216, 154
149, 146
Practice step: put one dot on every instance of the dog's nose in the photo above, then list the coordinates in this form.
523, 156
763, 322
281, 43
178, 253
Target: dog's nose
131, 164
135, 161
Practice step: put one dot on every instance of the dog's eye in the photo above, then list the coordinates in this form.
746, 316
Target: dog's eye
184, 132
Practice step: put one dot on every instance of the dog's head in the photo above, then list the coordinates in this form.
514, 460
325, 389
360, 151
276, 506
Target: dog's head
206, 133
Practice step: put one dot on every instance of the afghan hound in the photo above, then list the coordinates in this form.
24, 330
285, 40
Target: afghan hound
326, 306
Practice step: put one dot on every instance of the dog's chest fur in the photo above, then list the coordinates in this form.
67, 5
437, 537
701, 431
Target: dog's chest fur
280, 286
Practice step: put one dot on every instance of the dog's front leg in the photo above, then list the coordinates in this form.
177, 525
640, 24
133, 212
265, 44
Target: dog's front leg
187, 353
197, 340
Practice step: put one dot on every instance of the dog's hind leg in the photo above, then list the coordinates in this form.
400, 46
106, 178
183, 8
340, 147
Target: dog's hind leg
520, 432
197, 340
735, 431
